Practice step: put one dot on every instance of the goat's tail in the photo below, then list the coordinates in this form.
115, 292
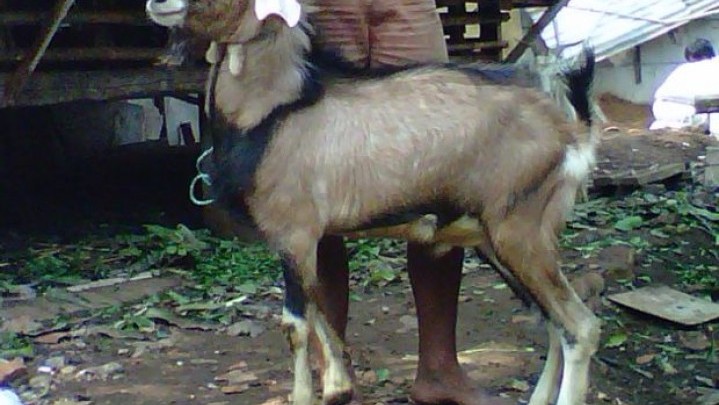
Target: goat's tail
580, 157
579, 87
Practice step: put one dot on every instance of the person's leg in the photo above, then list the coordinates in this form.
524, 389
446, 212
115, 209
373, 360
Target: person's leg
342, 26
435, 284
333, 275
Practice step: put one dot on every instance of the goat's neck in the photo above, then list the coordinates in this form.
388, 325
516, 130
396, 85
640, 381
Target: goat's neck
273, 75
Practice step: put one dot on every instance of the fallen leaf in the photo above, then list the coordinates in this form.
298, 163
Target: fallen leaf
102, 372
172, 319
704, 380
524, 318
10, 370
646, 358
235, 377
408, 322
240, 364
41, 384
694, 340
519, 385
616, 340
235, 389
246, 327
22, 325
708, 396
275, 401
143, 347
70, 402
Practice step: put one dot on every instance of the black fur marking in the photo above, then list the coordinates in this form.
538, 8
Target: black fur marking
238, 153
579, 83
295, 297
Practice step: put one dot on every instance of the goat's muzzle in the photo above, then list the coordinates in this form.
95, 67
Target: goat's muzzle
169, 13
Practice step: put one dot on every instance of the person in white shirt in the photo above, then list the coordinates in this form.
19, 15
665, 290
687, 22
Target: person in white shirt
674, 100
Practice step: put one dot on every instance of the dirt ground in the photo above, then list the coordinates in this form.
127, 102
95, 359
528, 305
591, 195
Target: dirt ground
501, 345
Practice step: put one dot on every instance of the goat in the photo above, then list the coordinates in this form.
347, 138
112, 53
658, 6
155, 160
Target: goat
465, 160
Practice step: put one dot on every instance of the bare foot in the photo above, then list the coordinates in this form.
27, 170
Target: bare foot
445, 388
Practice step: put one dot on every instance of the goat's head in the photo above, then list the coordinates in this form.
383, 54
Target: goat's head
235, 21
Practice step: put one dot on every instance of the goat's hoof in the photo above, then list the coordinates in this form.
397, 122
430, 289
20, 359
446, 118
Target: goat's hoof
340, 398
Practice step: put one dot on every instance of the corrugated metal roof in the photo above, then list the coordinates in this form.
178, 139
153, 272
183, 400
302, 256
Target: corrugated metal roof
612, 26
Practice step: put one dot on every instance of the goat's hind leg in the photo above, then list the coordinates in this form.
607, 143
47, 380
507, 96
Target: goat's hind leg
530, 254
548, 385
301, 315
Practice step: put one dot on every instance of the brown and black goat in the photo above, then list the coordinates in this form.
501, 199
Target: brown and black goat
466, 161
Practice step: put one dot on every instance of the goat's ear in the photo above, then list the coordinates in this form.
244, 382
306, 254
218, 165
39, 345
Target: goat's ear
289, 10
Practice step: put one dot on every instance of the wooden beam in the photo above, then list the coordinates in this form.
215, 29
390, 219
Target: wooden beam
454, 20
535, 31
19, 18
85, 54
62, 87
17, 81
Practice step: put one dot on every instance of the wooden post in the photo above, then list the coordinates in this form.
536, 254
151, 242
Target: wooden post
22, 74
489, 32
535, 31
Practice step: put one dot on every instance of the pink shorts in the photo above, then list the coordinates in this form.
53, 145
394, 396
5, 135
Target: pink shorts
375, 33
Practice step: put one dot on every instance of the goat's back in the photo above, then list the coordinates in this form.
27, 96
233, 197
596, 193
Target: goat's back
412, 138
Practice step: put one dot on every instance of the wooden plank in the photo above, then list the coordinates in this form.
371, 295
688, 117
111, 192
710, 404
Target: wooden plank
60, 87
17, 81
669, 304
471, 46
91, 54
514, 3
641, 177
469, 19
535, 31
19, 18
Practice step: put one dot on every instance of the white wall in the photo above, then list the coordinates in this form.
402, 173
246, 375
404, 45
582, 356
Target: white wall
658, 57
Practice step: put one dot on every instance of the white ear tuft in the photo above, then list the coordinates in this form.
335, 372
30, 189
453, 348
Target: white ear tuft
289, 10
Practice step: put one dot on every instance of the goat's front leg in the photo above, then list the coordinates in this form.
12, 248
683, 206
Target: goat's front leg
297, 331
302, 315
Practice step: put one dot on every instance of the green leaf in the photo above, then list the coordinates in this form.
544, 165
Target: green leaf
616, 340
382, 375
629, 223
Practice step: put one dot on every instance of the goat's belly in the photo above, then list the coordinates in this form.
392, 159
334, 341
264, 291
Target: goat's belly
466, 231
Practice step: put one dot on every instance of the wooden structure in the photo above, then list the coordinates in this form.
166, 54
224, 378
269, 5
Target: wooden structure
54, 51
473, 28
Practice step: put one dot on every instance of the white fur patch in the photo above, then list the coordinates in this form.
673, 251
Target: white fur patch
579, 161
302, 393
548, 385
575, 377
335, 379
